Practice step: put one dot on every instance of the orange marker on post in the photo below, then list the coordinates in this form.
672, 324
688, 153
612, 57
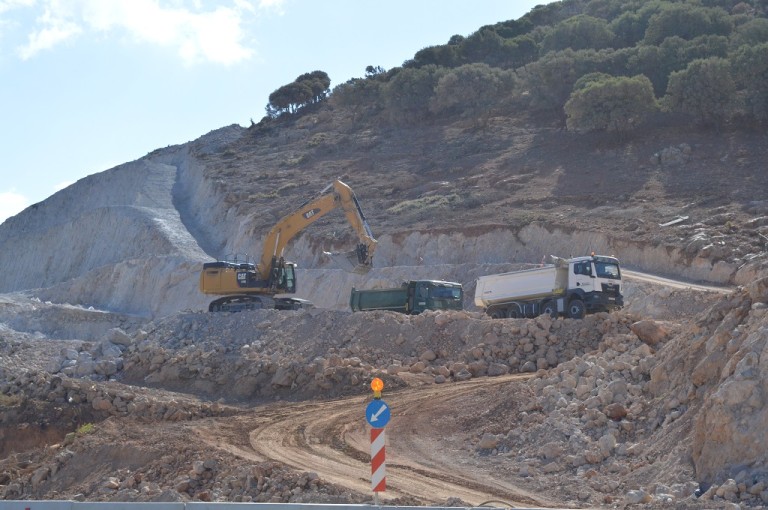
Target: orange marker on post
377, 385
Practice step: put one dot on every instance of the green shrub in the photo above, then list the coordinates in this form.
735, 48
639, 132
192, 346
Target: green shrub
84, 429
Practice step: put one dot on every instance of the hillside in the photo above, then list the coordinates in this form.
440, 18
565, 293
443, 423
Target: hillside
116, 384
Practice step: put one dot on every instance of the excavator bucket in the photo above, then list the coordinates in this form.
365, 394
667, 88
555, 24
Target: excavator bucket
354, 261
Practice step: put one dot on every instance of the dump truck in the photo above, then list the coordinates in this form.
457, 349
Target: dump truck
412, 297
568, 287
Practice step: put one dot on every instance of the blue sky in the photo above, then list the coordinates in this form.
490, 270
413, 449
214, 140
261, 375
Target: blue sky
86, 85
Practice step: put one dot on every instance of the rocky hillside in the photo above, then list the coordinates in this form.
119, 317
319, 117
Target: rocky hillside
132, 239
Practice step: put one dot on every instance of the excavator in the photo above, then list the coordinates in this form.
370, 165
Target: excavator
249, 286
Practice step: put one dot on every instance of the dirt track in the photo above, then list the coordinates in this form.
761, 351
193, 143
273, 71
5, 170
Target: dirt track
667, 282
423, 458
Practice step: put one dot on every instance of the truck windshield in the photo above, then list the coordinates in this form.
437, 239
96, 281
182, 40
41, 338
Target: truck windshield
445, 293
442, 297
607, 270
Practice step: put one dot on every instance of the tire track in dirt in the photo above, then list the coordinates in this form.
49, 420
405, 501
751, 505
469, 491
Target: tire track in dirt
332, 439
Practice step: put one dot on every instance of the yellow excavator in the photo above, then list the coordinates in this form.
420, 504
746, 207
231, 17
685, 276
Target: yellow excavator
249, 286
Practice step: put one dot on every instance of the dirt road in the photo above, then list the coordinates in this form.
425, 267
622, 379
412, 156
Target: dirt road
649, 278
426, 460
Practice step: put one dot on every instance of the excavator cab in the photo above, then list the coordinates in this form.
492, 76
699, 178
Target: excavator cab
283, 276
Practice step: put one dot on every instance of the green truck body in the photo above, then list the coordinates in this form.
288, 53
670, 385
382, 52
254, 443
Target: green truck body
411, 297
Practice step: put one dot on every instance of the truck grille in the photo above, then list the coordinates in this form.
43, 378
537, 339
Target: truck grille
611, 289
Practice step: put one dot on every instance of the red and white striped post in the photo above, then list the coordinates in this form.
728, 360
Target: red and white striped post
377, 413
378, 462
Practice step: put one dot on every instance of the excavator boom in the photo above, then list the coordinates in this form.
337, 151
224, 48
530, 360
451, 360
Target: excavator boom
247, 285
311, 211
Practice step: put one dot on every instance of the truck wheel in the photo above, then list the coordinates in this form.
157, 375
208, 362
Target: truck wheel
576, 309
549, 308
496, 314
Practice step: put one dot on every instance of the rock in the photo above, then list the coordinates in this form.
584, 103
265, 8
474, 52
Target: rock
53, 366
593, 456
607, 443
417, 367
441, 319
198, 468
428, 355
119, 337
758, 290
552, 467
284, 377
728, 490
112, 483
463, 375
615, 411
102, 404
488, 442
636, 497
107, 367
110, 350
39, 476
70, 354
649, 331
552, 450
496, 369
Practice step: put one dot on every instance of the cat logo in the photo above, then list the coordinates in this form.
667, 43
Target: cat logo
307, 215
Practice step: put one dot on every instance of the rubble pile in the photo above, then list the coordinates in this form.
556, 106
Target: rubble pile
254, 356
680, 403
618, 409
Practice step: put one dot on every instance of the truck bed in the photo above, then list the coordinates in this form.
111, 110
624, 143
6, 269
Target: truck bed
539, 282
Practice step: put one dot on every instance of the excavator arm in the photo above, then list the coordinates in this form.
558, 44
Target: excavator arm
335, 195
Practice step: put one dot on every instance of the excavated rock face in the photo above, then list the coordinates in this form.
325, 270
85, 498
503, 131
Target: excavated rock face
178, 210
717, 369
730, 429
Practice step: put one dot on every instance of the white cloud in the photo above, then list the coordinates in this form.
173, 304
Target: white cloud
196, 35
7, 5
56, 29
11, 203
275, 5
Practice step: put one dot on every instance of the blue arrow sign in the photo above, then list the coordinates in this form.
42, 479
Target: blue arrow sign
377, 414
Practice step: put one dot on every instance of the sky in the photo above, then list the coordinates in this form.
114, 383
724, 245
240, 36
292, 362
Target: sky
86, 85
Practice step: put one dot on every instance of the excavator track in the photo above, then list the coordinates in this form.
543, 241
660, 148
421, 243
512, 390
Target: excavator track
240, 303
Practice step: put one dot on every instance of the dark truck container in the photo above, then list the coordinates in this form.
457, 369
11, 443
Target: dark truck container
411, 297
